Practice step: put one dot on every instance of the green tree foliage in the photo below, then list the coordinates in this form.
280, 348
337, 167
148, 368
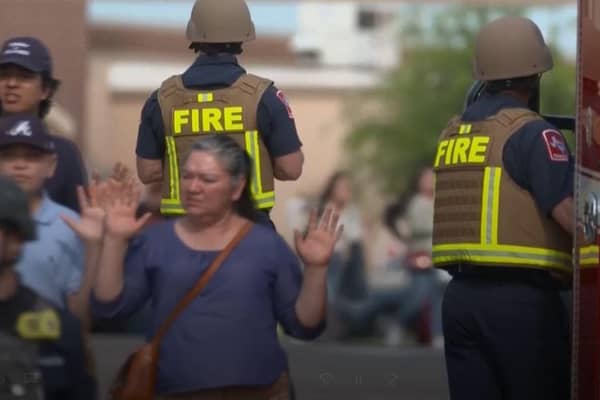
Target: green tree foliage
397, 136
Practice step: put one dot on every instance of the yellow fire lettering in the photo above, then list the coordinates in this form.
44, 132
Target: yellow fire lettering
442, 147
448, 157
478, 149
233, 119
180, 118
211, 120
195, 120
460, 150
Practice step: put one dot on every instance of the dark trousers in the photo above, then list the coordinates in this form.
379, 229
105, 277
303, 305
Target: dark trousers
506, 337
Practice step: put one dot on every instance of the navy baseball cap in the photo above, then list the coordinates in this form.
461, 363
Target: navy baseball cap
27, 52
14, 209
25, 129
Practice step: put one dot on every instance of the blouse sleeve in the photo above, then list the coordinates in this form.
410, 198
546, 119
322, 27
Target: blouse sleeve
287, 289
136, 283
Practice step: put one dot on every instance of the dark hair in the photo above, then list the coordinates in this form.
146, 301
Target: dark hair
212, 49
52, 85
397, 208
329, 187
236, 162
526, 84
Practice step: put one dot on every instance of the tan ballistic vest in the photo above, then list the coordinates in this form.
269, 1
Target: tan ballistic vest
188, 114
481, 216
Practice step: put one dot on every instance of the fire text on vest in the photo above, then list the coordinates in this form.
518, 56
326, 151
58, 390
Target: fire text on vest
208, 120
462, 150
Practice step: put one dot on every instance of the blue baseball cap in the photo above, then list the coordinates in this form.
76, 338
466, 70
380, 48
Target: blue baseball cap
27, 52
25, 129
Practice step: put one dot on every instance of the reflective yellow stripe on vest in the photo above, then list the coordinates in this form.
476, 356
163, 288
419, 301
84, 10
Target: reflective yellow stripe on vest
490, 202
500, 254
262, 200
172, 205
488, 251
589, 256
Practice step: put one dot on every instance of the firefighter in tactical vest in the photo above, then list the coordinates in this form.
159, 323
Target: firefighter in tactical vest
216, 95
503, 226
41, 347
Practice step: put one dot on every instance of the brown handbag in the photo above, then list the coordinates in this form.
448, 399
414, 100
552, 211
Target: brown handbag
136, 379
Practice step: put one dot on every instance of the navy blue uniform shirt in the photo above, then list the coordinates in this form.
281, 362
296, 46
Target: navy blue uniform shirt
275, 121
528, 156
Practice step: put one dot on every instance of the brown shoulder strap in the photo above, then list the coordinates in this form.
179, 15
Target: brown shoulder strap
252, 84
201, 284
513, 118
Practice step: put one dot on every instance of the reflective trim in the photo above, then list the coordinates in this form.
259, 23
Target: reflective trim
490, 205
172, 205
205, 97
501, 254
464, 129
262, 200
249, 142
589, 256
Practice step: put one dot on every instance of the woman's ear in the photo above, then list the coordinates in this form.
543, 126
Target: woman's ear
238, 189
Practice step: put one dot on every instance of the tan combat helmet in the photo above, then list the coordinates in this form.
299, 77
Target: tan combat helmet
220, 21
510, 47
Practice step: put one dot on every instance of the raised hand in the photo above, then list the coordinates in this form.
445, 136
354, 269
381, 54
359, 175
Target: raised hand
316, 246
90, 226
120, 176
121, 221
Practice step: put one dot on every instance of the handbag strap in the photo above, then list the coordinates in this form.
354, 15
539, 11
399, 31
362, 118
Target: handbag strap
201, 284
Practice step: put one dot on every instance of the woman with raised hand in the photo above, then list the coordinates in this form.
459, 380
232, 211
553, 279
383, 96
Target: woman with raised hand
225, 342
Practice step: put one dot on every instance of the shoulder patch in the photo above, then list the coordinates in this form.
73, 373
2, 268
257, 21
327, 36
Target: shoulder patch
556, 145
283, 99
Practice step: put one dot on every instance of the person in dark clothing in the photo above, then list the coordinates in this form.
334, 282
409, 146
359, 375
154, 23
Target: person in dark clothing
503, 226
27, 85
50, 335
225, 99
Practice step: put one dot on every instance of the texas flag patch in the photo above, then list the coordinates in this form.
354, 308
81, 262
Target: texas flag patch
556, 145
282, 98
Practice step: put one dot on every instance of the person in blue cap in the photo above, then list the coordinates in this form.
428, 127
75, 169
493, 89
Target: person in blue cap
27, 85
53, 264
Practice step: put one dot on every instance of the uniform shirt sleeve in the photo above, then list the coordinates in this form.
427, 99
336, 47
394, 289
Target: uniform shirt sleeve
150, 141
287, 288
276, 124
136, 286
538, 166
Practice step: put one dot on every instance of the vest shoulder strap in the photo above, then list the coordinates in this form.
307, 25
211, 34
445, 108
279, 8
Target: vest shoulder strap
169, 87
451, 126
252, 84
514, 118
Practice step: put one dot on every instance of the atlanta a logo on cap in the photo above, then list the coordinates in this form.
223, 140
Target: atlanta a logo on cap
22, 128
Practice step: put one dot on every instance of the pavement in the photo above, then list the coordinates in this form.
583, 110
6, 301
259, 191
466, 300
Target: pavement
326, 370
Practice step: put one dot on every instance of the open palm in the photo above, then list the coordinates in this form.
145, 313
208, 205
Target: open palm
89, 226
316, 246
121, 218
